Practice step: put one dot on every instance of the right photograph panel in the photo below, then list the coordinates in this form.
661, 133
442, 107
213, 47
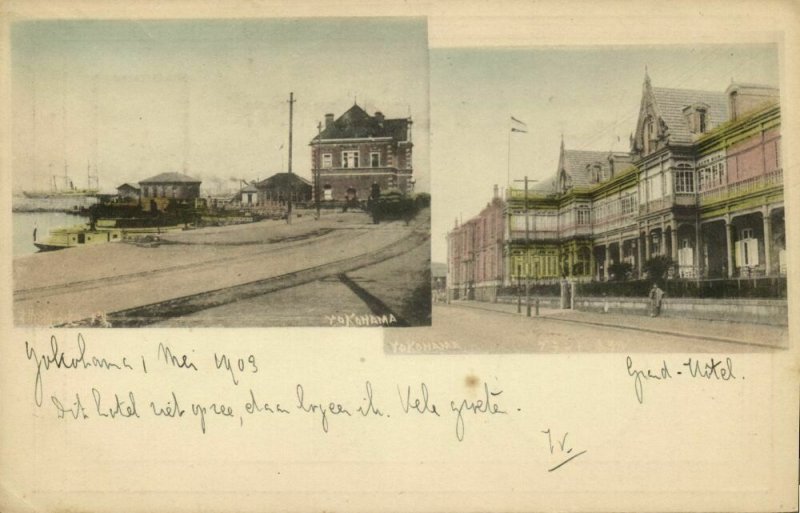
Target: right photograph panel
607, 199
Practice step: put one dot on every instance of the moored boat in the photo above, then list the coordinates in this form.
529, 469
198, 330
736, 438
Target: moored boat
78, 235
105, 231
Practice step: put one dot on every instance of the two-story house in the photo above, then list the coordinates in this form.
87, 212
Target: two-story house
356, 151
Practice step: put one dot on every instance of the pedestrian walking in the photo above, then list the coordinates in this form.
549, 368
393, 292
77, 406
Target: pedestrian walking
656, 295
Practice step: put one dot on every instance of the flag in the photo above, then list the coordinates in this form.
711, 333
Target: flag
518, 126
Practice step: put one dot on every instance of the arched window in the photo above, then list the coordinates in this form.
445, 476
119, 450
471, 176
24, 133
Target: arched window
648, 134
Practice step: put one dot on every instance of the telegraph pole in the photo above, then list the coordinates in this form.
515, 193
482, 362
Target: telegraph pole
319, 166
291, 114
527, 243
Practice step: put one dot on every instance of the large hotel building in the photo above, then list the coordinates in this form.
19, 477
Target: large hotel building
702, 184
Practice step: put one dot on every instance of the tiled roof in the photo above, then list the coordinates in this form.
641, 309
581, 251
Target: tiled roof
282, 180
357, 124
170, 178
671, 103
576, 161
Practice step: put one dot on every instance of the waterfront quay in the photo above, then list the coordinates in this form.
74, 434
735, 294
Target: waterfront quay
269, 273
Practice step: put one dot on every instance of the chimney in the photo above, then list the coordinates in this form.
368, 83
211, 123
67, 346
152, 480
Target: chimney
328, 120
496, 192
379, 116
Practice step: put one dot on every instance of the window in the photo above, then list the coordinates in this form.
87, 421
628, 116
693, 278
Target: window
747, 233
327, 191
701, 116
684, 182
349, 159
628, 204
712, 176
327, 160
374, 159
649, 134
583, 216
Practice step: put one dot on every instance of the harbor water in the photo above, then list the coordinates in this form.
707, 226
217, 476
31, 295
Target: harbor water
25, 222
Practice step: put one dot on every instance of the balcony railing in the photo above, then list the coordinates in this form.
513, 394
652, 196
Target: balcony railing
742, 188
536, 234
655, 205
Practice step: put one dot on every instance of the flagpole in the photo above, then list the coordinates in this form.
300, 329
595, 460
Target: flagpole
508, 159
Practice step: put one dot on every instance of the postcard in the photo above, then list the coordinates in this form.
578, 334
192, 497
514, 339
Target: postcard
409, 256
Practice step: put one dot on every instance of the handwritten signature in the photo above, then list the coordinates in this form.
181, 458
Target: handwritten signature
711, 369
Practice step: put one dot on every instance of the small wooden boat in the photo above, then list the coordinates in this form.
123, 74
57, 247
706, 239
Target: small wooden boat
78, 235
105, 231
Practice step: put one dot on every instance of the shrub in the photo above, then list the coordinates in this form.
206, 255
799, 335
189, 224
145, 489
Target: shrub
620, 271
657, 268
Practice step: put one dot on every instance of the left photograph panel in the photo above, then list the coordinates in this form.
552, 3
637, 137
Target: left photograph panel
221, 173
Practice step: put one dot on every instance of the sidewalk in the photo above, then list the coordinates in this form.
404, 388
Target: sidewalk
718, 331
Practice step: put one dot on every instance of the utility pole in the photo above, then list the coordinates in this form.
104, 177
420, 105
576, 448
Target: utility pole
291, 114
527, 242
319, 166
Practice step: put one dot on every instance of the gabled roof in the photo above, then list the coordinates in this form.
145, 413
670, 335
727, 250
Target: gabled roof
170, 178
357, 124
672, 102
130, 185
282, 180
250, 188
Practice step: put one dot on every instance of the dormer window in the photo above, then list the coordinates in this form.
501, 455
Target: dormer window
697, 118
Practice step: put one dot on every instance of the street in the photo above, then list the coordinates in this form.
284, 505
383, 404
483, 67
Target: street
229, 272
475, 327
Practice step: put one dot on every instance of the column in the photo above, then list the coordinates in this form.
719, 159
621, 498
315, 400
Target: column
639, 252
606, 262
662, 250
729, 246
698, 249
571, 260
674, 241
592, 272
767, 239
647, 244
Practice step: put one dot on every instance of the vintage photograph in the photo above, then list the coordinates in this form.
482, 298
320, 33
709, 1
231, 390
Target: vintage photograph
221, 173
607, 199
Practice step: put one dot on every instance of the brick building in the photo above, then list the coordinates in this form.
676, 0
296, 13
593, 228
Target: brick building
702, 185
357, 150
158, 190
475, 249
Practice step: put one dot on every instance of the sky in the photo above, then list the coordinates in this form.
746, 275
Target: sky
133, 99
590, 95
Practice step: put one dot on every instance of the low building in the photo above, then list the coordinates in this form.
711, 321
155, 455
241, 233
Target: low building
157, 191
248, 195
356, 151
128, 192
276, 190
